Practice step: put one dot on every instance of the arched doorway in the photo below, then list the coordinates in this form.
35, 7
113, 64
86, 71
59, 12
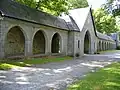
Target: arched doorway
87, 42
55, 47
99, 45
15, 42
39, 43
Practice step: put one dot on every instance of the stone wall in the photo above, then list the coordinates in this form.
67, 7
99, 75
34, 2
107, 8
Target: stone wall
29, 31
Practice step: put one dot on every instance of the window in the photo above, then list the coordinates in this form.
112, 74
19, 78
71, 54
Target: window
78, 43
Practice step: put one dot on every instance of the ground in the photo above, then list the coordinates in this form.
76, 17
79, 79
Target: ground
54, 76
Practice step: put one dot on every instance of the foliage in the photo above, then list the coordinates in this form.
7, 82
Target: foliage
118, 48
105, 79
112, 7
54, 7
8, 64
73, 4
77, 54
105, 23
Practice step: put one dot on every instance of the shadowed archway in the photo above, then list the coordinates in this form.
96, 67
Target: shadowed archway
55, 46
99, 44
15, 42
39, 43
87, 43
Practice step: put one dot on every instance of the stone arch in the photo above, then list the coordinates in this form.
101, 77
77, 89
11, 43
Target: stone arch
15, 41
39, 42
87, 42
56, 43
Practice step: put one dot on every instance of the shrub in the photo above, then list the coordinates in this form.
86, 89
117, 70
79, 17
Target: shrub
118, 48
77, 54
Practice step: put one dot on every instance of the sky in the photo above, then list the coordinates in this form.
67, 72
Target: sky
96, 3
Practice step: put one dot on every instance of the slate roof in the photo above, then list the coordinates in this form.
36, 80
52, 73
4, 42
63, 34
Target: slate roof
15, 10
104, 36
114, 36
70, 22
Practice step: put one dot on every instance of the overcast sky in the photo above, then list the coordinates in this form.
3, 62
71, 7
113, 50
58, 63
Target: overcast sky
96, 3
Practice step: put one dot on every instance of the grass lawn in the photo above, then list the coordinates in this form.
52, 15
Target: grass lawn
107, 78
102, 52
9, 64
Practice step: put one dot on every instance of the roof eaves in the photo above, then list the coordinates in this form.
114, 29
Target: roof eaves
1, 13
93, 22
30, 21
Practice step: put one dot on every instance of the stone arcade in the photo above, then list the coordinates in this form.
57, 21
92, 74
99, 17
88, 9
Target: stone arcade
26, 32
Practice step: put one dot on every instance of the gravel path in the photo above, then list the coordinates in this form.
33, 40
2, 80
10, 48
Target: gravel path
53, 76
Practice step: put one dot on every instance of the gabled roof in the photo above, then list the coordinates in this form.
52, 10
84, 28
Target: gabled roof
80, 15
12, 9
70, 22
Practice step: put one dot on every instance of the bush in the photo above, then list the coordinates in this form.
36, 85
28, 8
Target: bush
77, 54
118, 48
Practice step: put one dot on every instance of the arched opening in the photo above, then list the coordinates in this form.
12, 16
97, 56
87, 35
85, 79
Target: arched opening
15, 42
103, 46
39, 43
87, 43
107, 46
99, 46
55, 47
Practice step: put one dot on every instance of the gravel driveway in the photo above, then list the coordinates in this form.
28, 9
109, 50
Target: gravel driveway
53, 76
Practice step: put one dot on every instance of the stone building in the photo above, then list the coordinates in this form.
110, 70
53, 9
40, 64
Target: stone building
25, 31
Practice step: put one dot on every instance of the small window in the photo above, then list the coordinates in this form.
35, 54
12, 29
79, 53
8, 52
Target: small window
78, 43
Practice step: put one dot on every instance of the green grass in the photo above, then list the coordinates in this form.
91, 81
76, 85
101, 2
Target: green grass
9, 64
102, 52
107, 78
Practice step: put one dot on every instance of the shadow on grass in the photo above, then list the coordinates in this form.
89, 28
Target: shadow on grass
107, 78
11, 63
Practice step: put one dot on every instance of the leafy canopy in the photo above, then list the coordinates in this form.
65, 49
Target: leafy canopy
54, 7
112, 6
105, 23
73, 4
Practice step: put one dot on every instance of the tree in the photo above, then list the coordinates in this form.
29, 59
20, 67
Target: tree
54, 7
105, 23
73, 4
112, 6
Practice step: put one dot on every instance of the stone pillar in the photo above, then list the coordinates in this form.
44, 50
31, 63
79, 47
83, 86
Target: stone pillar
2, 41
92, 48
28, 48
81, 47
100, 46
48, 47
2, 53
